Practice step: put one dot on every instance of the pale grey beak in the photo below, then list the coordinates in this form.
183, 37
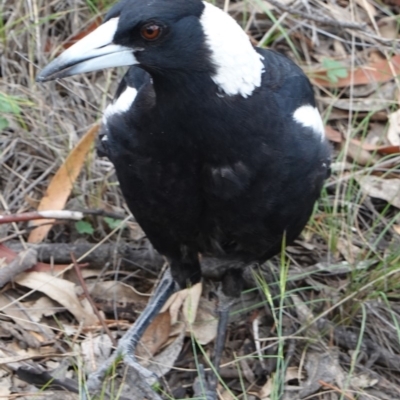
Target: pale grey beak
94, 52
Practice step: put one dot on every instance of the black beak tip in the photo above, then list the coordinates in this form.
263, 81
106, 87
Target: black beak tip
40, 78
49, 72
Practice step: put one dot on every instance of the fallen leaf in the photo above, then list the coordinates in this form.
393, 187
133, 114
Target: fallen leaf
204, 328
321, 366
359, 154
393, 133
377, 101
94, 351
385, 189
26, 317
59, 290
191, 303
116, 291
155, 336
165, 360
388, 27
368, 7
266, 390
175, 302
374, 72
348, 250
363, 381
333, 135
5, 384
62, 183
382, 149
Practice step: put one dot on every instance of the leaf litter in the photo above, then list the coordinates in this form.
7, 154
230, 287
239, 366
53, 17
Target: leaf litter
343, 268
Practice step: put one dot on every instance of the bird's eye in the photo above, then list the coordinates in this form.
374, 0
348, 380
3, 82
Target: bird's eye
150, 31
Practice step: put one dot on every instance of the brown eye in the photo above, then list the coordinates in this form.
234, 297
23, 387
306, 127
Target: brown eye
150, 31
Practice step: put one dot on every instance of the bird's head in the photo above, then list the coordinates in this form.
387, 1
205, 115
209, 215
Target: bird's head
166, 36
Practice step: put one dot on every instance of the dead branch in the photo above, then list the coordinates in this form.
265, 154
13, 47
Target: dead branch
321, 20
57, 214
26, 259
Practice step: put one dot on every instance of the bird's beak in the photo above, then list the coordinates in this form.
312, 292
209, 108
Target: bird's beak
95, 51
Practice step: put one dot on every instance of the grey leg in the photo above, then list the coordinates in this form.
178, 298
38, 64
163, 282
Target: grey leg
232, 286
224, 305
127, 344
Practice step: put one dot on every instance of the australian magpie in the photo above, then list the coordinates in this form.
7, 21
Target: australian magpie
218, 145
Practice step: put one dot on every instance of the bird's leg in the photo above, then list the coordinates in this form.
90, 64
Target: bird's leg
230, 289
224, 305
127, 344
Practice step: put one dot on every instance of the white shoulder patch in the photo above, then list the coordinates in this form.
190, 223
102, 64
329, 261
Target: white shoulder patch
121, 104
310, 117
239, 66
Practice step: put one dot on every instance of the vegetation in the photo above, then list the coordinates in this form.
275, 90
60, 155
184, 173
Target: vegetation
324, 320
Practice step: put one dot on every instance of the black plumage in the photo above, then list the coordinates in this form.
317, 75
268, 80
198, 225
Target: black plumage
226, 176
216, 152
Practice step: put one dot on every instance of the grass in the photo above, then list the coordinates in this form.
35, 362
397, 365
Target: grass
341, 276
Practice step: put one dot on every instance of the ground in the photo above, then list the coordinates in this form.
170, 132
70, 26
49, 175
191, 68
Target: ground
320, 322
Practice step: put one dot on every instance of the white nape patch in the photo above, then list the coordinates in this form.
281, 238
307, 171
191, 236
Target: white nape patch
239, 66
121, 104
310, 117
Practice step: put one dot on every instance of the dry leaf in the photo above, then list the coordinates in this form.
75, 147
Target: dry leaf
266, 390
388, 27
163, 362
376, 101
59, 290
226, 395
359, 155
393, 134
111, 291
26, 318
192, 303
155, 336
385, 189
259, 6
135, 231
205, 326
348, 250
5, 384
95, 351
363, 381
382, 149
175, 302
321, 366
333, 135
62, 183
368, 7
374, 72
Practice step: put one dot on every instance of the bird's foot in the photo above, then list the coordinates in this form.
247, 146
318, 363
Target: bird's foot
205, 387
145, 378
129, 359
127, 344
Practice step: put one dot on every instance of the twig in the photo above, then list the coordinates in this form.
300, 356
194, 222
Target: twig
26, 259
57, 214
257, 342
29, 216
336, 389
322, 20
97, 255
90, 300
